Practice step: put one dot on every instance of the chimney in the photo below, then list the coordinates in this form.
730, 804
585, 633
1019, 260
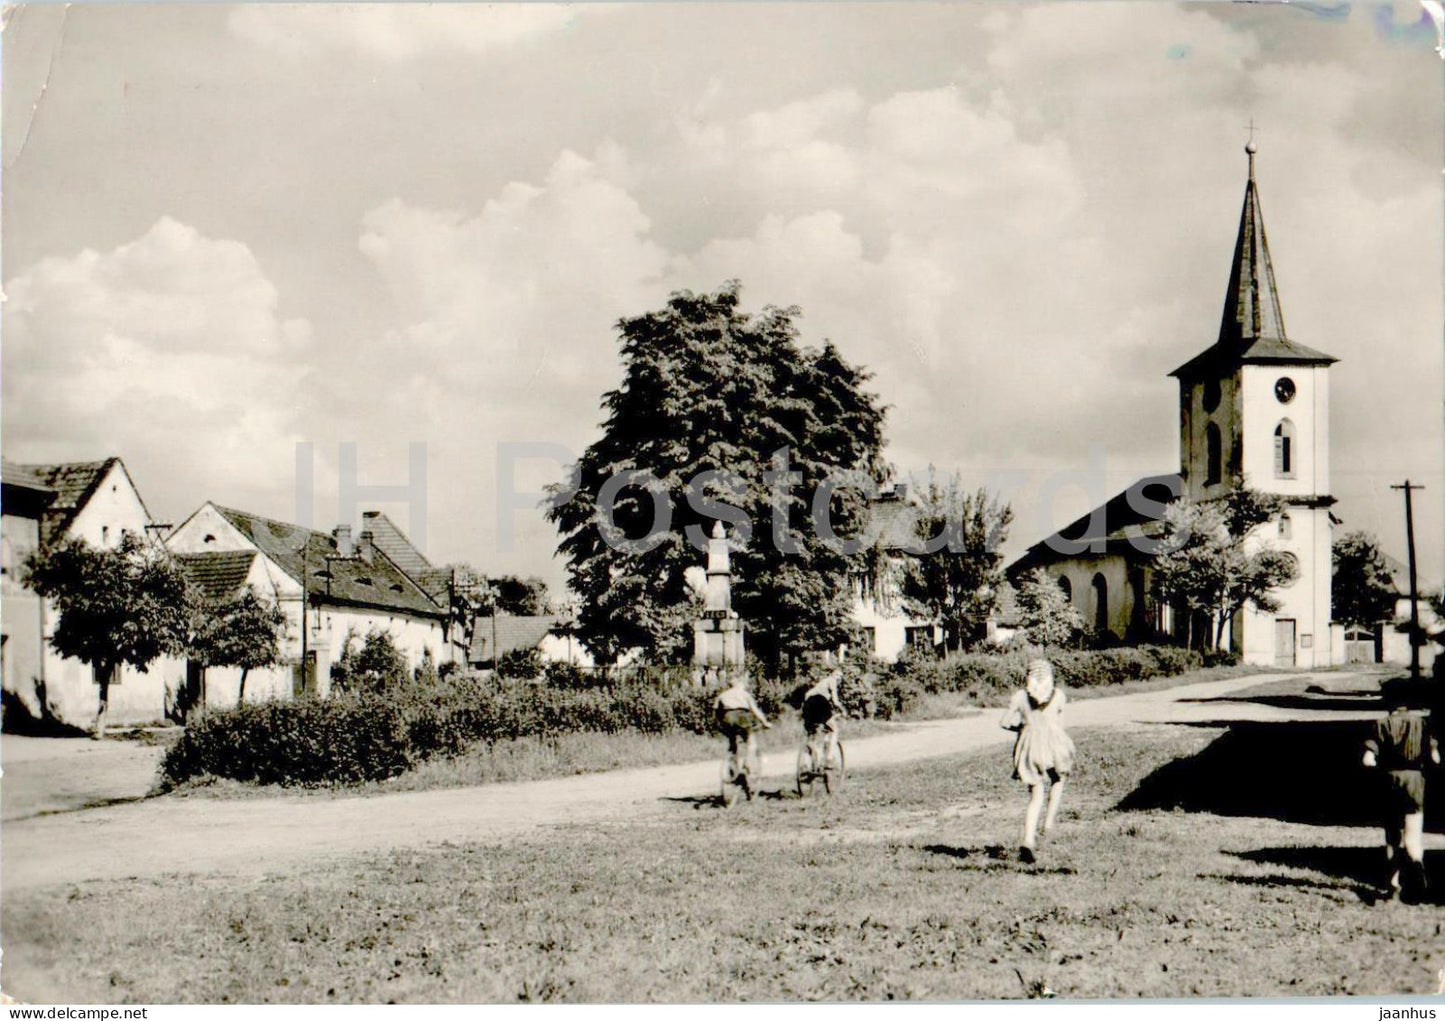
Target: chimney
342, 535
365, 546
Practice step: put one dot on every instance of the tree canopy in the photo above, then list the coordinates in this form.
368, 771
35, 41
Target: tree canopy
956, 576
1207, 563
245, 631
1362, 591
720, 415
125, 605
1046, 616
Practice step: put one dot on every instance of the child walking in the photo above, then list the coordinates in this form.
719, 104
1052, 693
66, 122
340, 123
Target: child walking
1403, 746
1043, 752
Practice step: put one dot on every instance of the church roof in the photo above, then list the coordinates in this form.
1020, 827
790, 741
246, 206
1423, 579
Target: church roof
1111, 528
1251, 329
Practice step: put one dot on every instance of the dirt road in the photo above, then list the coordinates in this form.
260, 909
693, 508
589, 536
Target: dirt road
255, 836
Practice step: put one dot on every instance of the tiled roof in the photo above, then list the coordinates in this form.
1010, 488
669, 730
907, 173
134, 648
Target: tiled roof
21, 475
513, 633
219, 574
73, 484
895, 522
393, 542
310, 555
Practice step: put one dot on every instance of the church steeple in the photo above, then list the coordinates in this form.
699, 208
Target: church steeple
1251, 331
1251, 304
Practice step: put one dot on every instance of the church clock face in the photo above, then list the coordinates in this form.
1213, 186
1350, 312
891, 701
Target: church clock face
1211, 395
1284, 389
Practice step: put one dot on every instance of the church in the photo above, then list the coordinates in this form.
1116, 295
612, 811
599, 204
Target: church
1253, 410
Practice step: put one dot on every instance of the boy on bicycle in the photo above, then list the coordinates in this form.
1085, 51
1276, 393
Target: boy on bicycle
822, 707
738, 715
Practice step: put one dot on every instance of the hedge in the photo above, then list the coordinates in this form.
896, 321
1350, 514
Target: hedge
989, 678
357, 737
363, 736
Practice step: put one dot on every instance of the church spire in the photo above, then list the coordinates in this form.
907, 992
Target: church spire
1251, 304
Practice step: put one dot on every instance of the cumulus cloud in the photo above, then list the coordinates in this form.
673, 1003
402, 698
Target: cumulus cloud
168, 349
394, 32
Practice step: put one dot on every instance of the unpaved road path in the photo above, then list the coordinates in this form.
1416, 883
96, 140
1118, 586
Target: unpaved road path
254, 836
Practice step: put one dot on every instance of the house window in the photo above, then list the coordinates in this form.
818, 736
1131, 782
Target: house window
1284, 450
104, 534
1286, 530
1067, 588
1213, 455
1101, 603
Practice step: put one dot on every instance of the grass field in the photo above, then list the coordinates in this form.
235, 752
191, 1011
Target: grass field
905, 886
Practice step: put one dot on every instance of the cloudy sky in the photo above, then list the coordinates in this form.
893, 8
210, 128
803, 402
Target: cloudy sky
228, 231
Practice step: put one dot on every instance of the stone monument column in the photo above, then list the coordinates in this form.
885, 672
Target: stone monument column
718, 635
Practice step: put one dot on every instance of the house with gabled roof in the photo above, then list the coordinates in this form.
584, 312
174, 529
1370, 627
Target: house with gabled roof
331, 586
878, 603
551, 635
96, 501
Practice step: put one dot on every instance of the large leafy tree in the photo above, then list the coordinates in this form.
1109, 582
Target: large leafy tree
1208, 563
955, 575
122, 606
244, 631
1362, 591
710, 396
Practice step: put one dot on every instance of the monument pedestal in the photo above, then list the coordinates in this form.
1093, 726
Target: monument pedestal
717, 641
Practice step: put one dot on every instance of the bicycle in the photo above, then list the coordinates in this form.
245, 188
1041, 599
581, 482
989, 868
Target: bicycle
821, 758
739, 771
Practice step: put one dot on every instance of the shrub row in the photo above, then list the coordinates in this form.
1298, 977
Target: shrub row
989, 678
362, 736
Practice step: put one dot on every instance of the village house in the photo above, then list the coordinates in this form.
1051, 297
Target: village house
332, 588
878, 603
551, 635
1253, 410
42, 504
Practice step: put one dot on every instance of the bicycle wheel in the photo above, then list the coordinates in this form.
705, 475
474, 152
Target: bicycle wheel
806, 773
834, 769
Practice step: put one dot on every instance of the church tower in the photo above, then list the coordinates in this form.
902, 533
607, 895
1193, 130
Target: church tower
1254, 411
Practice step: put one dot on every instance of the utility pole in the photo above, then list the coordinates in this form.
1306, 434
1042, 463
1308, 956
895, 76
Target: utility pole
1415, 636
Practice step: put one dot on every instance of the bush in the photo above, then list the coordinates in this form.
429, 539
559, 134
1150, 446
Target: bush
520, 663
377, 667
342, 739
359, 737
991, 677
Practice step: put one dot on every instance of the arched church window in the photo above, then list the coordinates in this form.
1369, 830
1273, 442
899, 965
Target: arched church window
1067, 588
1101, 603
1213, 455
1284, 450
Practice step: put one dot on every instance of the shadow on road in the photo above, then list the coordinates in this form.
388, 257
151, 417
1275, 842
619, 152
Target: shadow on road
1339, 702
1299, 772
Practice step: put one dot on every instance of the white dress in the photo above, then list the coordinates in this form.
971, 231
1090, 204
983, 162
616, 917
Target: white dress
1042, 749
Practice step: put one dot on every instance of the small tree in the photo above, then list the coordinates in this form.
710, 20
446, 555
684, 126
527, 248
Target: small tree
122, 606
1206, 563
377, 667
245, 631
1046, 616
958, 584
1362, 591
